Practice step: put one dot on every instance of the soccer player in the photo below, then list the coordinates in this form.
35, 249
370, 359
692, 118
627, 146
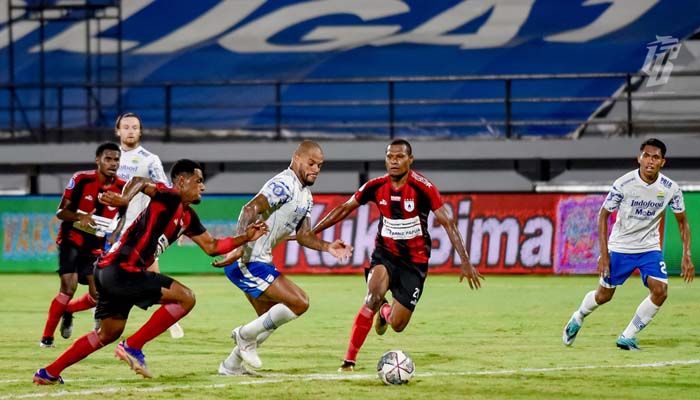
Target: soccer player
81, 238
123, 281
640, 198
400, 259
137, 161
285, 202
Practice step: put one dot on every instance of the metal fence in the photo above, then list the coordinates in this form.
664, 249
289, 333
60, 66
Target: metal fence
53, 112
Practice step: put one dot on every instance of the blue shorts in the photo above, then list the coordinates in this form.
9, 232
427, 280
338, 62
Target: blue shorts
650, 264
253, 278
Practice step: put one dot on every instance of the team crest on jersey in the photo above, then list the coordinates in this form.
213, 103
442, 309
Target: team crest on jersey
409, 205
660, 195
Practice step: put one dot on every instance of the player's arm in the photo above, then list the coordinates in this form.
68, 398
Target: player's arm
687, 267
307, 238
249, 214
217, 246
604, 259
65, 213
445, 218
339, 213
136, 185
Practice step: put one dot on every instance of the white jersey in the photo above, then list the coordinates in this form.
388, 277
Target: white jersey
641, 207
139, 162
290, 202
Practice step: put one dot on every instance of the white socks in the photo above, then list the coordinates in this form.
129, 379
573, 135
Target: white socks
261, 328
234, 360
588, 305
276, 316
645, 313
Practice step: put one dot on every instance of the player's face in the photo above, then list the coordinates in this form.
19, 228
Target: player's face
108, 162
650, 162
398, 161
191, 187
310, 165
129, 132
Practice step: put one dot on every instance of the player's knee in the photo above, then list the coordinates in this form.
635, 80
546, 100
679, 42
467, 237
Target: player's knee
659, 294
399, 326
300, 305
374, 301
188, 299
603, 296
108, 336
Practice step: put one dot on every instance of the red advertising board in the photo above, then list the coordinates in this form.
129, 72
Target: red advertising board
504, 233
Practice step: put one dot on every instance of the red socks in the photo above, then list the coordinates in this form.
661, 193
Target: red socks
385, 312
159, 322
83, 302
56, 309
358, 334
80, 349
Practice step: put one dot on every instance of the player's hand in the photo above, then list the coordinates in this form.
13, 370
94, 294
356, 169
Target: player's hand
473, 276
687, 269
229, 258
85, 220
255, 230
112, 199
604, 265
340, 250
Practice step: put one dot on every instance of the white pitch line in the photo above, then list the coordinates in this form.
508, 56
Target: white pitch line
278, 378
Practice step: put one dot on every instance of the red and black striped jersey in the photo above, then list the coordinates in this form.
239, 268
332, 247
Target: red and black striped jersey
81, 196
159, 225
403, 226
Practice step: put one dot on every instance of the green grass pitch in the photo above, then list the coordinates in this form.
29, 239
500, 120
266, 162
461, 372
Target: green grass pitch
501, 342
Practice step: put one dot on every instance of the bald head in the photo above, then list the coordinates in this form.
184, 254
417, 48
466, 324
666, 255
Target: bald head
307, 162
306, 147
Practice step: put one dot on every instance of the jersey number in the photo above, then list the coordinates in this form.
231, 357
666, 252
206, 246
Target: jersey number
663, 267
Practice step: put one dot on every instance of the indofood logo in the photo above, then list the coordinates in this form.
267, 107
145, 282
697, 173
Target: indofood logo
658, 64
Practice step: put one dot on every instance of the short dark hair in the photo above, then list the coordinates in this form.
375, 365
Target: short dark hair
107, 146
184, 166
404, 142
128, 115
656, 143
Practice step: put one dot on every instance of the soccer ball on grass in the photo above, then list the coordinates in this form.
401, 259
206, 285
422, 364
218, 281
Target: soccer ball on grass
395, 368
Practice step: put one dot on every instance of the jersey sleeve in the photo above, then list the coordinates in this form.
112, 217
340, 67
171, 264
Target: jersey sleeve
677, 205
614, 199
430, 190
367, 192
277, 190
70, 194
156, 172
195, 227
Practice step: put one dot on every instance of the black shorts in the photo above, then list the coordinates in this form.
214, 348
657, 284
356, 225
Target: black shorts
73, 260
406, 279
119, 290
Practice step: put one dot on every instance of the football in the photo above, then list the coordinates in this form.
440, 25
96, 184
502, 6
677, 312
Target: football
395, 368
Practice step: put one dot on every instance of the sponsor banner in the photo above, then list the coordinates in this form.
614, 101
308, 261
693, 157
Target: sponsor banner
29, 230
673, 246
504, 234
512, 234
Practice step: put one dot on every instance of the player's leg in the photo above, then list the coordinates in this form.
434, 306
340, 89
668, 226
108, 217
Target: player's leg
621, 267
654, 277
84, 302
290, 302
176, 331
114, 313
406, 285
377, 286
233, 364
69, 283
176, 301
